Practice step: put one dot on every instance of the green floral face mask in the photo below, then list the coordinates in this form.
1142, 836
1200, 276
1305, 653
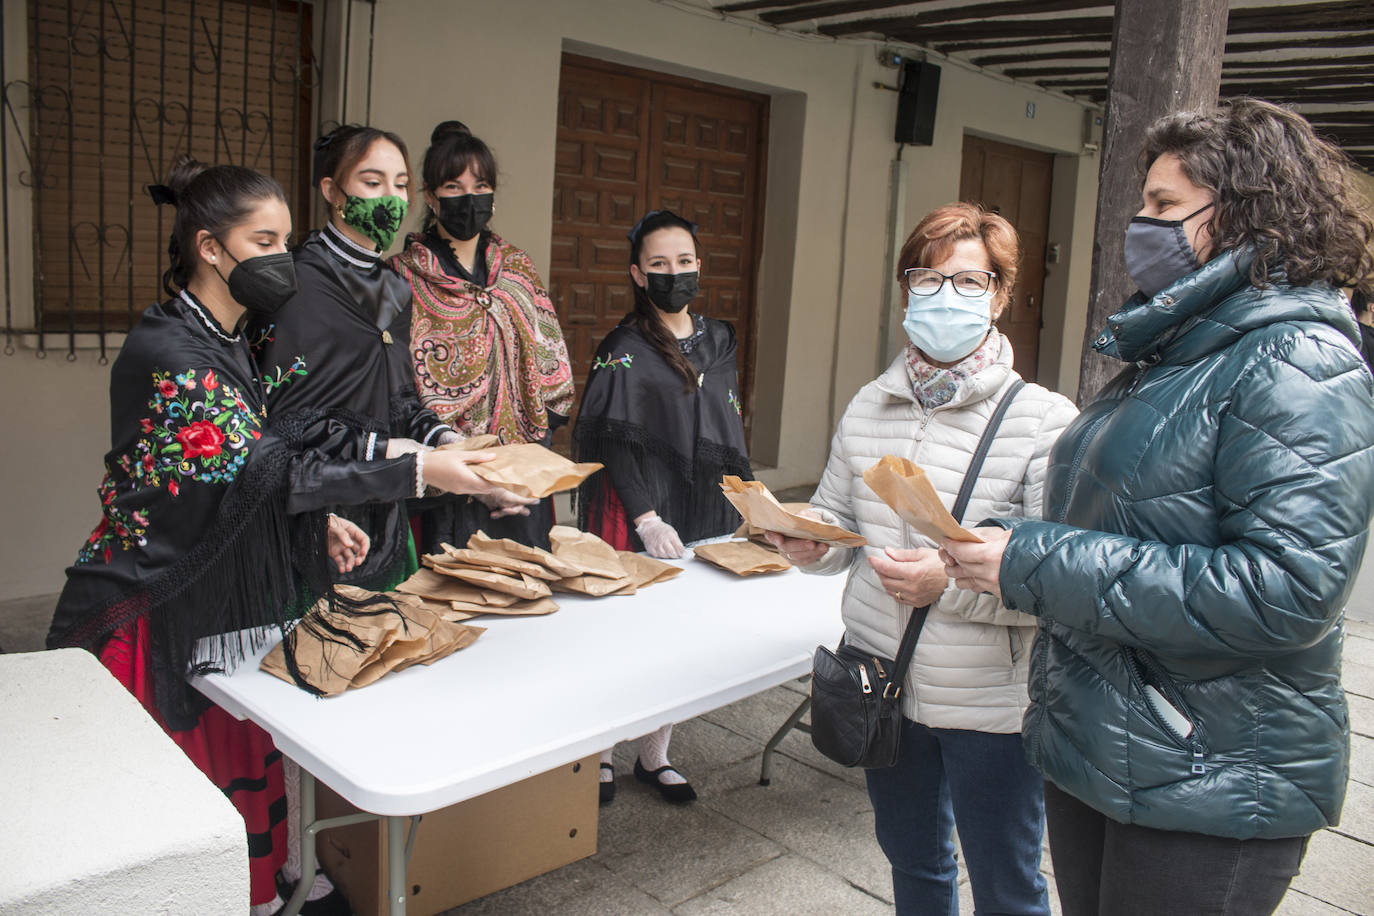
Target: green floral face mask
378, 218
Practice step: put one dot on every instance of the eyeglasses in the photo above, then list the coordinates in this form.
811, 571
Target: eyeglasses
926, 282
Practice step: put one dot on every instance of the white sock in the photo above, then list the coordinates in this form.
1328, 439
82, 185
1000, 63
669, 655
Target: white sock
606, 758
291, 868
653, 754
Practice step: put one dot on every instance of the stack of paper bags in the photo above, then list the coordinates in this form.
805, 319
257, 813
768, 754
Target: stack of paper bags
504, 577
353, 645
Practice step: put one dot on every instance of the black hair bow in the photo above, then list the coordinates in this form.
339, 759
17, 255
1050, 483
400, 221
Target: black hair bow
161, 194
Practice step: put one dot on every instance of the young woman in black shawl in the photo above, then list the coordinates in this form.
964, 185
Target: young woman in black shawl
343, 341
661, 411
212, 514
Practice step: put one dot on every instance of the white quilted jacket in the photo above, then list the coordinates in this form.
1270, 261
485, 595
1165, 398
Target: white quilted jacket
970, 665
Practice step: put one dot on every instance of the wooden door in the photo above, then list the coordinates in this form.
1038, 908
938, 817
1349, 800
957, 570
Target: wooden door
631, 140
1015, 183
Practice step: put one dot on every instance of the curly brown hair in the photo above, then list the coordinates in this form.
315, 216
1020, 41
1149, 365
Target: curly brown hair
1280, 189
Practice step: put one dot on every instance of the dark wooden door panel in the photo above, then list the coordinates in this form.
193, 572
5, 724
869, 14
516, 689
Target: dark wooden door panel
1015, 183
630, 140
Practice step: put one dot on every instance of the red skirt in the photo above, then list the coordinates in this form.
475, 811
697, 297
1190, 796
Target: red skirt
238, 756
606, 518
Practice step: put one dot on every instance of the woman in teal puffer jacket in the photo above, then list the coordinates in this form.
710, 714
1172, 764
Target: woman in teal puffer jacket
1205, 519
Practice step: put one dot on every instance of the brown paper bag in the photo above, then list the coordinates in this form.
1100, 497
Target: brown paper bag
586, 552
530, 469
595, 586
644, 570
480, 540
443, 609
743, 558
906, 490
534, 607
427, 583
484, 559
325, 661
761, 509
446, 638
517, 584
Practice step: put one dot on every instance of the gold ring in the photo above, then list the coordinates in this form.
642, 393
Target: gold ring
899, 597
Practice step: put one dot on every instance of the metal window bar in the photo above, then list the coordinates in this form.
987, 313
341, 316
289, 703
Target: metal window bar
93, 120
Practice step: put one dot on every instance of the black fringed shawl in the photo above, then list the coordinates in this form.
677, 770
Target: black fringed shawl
343, 341
196, 534
681, 442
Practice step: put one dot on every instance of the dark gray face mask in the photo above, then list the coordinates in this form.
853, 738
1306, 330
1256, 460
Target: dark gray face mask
1158, 253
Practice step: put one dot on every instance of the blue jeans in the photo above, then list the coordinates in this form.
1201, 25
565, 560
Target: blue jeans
981, 782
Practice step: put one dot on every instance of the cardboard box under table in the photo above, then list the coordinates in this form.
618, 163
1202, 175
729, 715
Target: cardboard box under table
470, 849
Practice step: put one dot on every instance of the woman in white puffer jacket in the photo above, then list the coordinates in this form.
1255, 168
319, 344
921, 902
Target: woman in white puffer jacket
965, 692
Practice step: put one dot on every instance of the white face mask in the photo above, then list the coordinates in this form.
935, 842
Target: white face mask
947, 326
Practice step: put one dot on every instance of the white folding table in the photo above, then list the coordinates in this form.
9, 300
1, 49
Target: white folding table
534, 693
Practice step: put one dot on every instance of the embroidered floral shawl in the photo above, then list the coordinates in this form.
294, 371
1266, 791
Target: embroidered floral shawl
934, 386
487, 359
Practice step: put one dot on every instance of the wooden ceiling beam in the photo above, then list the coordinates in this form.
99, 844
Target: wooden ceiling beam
751, 5
1033, 73
996, 60
1320, 62
800, 12
1348, 40
1314, 96
962, 13
1278, 81
1339, 117
1097, 28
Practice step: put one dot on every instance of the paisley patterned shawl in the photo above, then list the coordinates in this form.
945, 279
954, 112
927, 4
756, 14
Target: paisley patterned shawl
487, 360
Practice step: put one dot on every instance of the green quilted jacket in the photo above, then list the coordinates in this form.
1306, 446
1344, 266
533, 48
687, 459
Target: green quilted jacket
1205, 519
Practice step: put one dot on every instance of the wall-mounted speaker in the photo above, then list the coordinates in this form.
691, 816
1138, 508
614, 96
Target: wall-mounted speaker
920, 89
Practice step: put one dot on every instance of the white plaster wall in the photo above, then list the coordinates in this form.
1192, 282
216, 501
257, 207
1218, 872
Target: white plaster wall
103, 813
495, 66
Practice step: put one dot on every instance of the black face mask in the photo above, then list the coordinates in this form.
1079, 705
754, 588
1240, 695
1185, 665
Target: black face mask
262, 284
466, 215
672, 292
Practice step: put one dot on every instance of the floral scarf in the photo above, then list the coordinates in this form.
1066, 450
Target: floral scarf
935, 387
488, 359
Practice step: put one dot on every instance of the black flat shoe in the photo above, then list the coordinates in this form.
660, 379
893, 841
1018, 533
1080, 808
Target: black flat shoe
679, 793
331, 904
606, 788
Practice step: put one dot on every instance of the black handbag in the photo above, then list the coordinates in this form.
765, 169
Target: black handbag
856, 711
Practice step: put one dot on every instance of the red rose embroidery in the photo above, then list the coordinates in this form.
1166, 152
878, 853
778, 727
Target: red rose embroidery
99, 531
147, 462
173, 487
146, 425
167, 388
210, 381
200, 438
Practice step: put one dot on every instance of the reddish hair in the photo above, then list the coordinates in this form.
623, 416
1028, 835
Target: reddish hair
941, 229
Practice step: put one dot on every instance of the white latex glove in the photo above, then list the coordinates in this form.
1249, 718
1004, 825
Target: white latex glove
395, 447
503, 502
660, 538
447, 436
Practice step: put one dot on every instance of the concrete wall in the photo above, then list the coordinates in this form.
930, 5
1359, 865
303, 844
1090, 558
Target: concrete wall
825, 288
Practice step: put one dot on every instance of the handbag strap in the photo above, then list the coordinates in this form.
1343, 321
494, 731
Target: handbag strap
918, 615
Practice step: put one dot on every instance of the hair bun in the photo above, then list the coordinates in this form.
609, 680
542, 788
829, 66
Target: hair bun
446, 129
184, 171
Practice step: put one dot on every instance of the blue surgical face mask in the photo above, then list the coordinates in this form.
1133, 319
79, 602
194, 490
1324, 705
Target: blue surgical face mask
947, 326
1158, 253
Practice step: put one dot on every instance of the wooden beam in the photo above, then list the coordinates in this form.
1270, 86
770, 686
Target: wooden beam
1032, 73
1087, 28
1339, 117
800, 12
1314, 96
1340, 15
753, 5
960, 13
958, 47
1319, 62
1334, 40
1166, 56
996, 60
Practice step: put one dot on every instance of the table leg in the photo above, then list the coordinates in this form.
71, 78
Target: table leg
307, 834
793, 721
396, 864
